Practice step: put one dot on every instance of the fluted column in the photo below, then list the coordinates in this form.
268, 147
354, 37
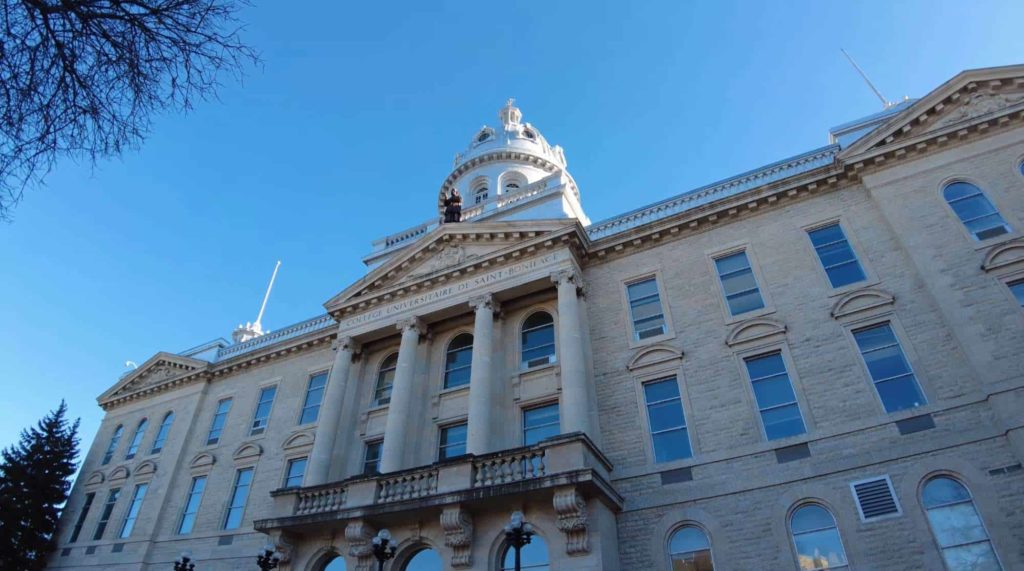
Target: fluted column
481, 385
395, 429
330, 414
576, 403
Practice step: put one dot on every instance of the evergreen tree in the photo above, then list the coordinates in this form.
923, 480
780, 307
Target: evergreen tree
35, 478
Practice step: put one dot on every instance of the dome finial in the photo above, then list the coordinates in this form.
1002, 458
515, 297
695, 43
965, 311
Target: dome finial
510, 114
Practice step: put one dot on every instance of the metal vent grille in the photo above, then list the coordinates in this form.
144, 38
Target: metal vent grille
875, 498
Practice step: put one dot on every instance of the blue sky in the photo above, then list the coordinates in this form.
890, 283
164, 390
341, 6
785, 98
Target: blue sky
349, 127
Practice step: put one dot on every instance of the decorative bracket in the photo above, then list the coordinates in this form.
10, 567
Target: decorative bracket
458, 534
572, 519
359, 536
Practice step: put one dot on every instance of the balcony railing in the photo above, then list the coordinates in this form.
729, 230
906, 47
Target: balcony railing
569, 458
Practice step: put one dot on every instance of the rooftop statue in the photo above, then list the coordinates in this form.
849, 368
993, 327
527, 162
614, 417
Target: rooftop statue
453, 207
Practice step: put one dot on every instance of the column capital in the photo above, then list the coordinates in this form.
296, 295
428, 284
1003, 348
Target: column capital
346, 343
567, 276
412, 323
485, 301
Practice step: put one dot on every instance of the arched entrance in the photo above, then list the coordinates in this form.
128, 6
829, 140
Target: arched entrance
425, 560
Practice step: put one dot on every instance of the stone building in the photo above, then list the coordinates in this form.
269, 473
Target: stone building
816, 364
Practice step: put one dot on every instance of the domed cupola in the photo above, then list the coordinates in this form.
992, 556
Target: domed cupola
510, 172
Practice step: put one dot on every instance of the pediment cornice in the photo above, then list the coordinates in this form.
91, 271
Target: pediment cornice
452, 252
161, 371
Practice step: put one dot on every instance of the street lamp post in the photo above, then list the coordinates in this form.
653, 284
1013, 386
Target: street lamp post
518, 533
184, 563
383, 548
269, 559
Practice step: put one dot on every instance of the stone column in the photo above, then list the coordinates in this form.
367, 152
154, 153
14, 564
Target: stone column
575, 394
330, 414
481, 384
395, 429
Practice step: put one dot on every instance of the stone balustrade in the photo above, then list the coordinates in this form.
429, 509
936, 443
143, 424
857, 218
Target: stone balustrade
320, 499
407, 486
509, 467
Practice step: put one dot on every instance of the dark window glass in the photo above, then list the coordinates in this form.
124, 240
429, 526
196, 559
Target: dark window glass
540, 423
975, 210
453, 442
645, 309
894, 379
239, 495
161, 435
836, 255
458, 361
195, 497
108, 508
532, 557
1017, 288
81, 517
957, 527
776, 401
314, 395
261, 417
133, 510
112, 447
538, 339
667, 421
296, 472
140, 432
219, 419
385, 380
739, 283
371, 458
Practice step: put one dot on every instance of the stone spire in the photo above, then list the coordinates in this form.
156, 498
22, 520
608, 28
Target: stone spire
510, 115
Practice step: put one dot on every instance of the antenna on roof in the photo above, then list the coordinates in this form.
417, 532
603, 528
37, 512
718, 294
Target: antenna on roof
885, 102
255, 329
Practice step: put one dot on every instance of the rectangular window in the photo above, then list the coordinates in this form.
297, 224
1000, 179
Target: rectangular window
296, 472
739, 283
239, 495
314, 394
133, 510
894, 379
776, 401
371, 458
219, 418
453, 442
195, 497
668, 424
540, 423
261, 416
108, 508
645, 309
81, 517
1017, 288
836, 255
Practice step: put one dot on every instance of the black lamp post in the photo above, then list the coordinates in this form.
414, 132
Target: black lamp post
184, 563
383, 549
268, 559
518, 533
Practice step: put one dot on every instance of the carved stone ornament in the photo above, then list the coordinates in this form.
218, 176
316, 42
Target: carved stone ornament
458, 534
359, 536
977, 104
572, 520
862, 301
284, 545
413, 323
451, 255
153, 376
485, 301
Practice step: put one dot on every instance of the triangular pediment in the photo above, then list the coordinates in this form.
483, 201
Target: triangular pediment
449, 248
160, 369
973, 95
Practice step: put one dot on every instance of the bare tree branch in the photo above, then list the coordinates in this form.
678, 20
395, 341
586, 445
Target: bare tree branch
83, 78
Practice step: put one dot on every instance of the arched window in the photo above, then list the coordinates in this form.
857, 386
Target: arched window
161, 435
458, 361
114, 440
133, 448
512, 182
690, 550
975, 210
816, 537
385, 378
538, 340
533, 556
425, 560
957, 527
336, 564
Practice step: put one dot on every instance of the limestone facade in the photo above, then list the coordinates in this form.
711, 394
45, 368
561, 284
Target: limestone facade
602, 492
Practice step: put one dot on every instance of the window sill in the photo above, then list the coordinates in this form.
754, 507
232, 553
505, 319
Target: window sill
995, 240
734, 319
635, 343
863, 284
549, 365
454, 390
